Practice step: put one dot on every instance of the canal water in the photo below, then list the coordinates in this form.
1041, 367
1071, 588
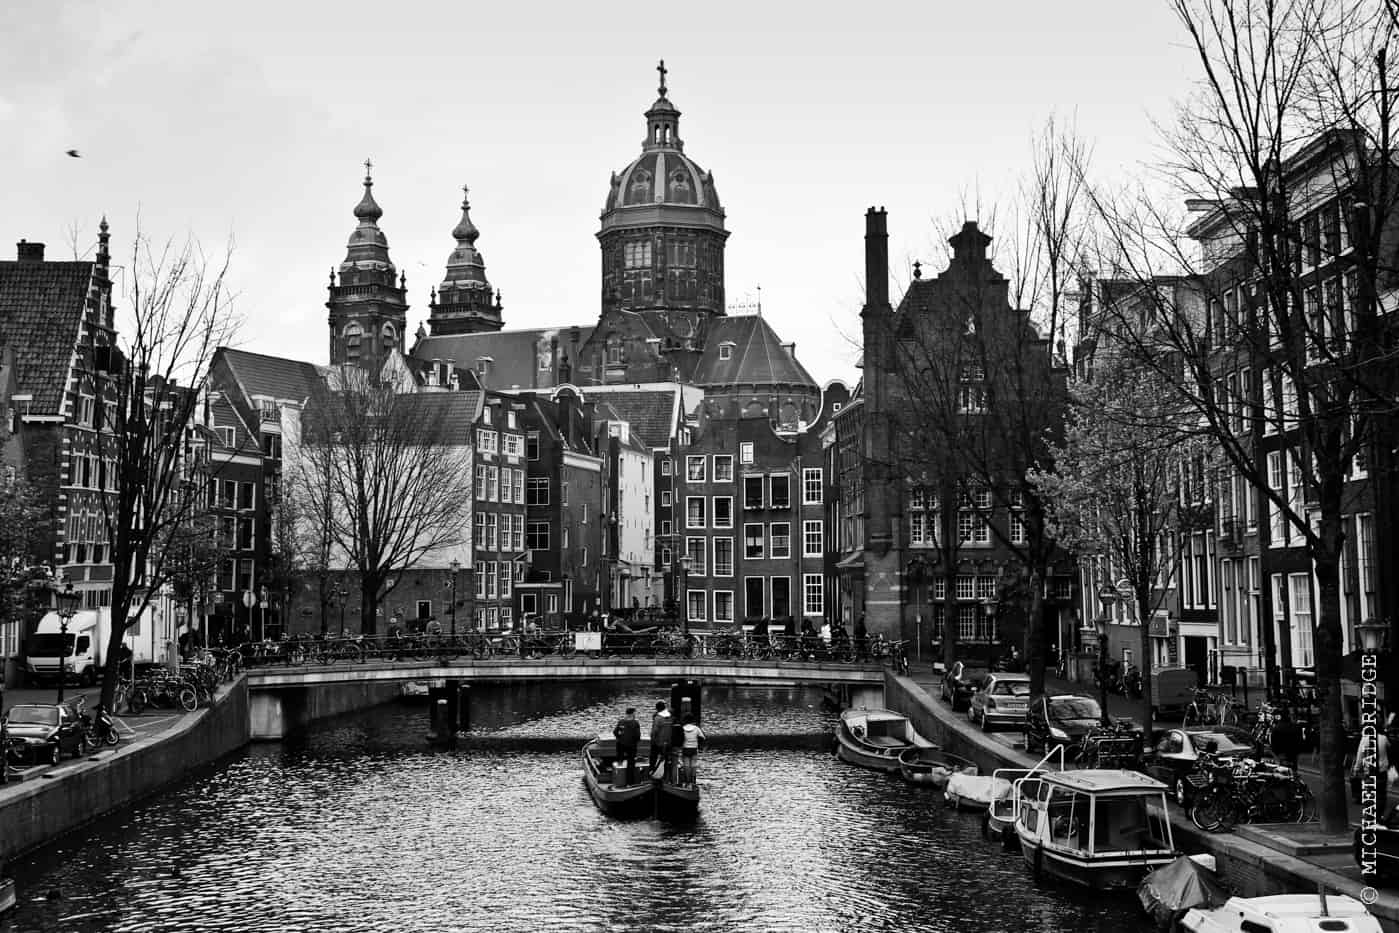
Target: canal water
359, 826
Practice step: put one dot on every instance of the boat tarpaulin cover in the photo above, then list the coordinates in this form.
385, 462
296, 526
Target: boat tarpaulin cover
1172, 889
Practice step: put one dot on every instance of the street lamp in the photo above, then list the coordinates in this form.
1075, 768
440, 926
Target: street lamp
67, 601
989, 604
917, 574
1107, 595
685, 596
456, 566
340, 595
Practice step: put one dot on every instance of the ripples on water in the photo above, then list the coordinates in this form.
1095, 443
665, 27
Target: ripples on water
358, 826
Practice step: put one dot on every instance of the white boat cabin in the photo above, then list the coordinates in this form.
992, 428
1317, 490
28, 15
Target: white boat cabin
1095, 813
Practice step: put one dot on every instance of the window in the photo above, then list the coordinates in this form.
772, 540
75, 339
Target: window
723, 606
667, 527
813, 594
694, 511
745, 452
514, 444
723, 512
492, 538
753, 541
723, 557
969, 623
780, 534
694, 549
1277, 481
245, 495
245, 534
922, 518
665, 498
1018, 532
537, 536
781, 490
228, 437
723, 468
813, 538
532, 445
492, 483
694, 469
939, 587
752, 492
245, 575
1299, 588
272, 446
480, 482
667, 467
726, 350
696, 599
812, 488
781, 597
485, 441
966, 586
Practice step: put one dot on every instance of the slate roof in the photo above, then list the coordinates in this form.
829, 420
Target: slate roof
757, 357
275, 376
41, 307
513, 354
651, 413
455, 412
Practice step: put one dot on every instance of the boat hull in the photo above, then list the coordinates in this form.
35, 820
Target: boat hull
857, 756
677, 802
1101, 873
7, 894
627, 801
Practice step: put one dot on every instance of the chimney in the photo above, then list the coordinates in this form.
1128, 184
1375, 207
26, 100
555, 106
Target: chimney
791, 349
434, 376
449, 373
29, 252
876, 259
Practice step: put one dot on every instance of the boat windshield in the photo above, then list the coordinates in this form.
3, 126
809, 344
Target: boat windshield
1127, 824
1014, 688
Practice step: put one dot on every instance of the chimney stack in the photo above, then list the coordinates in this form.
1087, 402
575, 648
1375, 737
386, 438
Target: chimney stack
876, 259
435, 374
29, 252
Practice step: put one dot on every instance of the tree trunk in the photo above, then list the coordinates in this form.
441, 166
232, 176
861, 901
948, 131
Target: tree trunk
1144, 617
115, 639
1034, 633
949, 617
1327, 641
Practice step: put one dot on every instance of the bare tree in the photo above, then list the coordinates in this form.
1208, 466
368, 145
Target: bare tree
149, 376
1285, 154
391, 469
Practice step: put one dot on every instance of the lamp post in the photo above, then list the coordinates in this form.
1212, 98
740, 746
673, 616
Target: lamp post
340, 595
1107, 595
67, 601
989, 604
456, 566
685, 597
917, 573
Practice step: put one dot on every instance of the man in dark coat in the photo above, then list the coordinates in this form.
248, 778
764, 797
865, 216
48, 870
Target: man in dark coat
662, 729
627, 732
862, 639
1286, 739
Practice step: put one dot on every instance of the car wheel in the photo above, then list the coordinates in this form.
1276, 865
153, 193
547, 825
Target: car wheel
985, 726
971, 715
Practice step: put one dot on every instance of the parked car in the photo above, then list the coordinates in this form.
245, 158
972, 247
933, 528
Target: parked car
1062, 719
47, 731
1174, 753
1001, 700
959, 684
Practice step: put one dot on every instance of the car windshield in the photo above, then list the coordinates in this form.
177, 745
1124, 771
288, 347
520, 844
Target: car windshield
36, 715
1224, 743
1014, 688
1074, 708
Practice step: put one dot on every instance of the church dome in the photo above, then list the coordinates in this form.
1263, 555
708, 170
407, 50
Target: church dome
662, 177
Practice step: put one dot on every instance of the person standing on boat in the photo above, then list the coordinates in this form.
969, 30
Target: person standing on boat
689, 749
627, 732
661, 729
862, 639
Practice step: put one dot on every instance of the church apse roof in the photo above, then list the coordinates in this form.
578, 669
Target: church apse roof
745, 351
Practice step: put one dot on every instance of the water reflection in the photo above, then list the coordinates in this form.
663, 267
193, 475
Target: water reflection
359, 826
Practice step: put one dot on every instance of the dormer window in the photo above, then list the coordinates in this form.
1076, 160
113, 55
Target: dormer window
614, 350
726, 350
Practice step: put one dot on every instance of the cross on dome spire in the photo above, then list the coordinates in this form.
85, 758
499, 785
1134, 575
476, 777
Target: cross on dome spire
368, 169
662, 69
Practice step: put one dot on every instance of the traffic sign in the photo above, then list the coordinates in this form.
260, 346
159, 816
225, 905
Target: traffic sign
248, 598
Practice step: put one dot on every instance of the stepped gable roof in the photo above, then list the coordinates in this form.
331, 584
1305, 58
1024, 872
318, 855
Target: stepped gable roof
41, 310
514, 354
652, 413
275, 376
756, 356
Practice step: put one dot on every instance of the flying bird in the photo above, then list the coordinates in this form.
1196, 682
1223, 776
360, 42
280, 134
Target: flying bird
74, 154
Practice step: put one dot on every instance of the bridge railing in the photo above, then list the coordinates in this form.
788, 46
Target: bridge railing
661, 643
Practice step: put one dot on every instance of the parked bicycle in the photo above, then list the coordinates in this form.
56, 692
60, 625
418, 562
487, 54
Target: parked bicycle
1242, 790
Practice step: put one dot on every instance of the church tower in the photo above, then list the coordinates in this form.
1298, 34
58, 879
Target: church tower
662, 233
368, 305
462, 304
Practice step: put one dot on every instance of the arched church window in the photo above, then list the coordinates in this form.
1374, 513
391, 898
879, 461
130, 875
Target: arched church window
352, 334
390, 337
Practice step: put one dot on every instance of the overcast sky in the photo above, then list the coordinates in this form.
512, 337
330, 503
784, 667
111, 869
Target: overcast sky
250, 121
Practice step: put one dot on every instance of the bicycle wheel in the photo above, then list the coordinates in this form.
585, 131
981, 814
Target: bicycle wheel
297, 656
1306, 804
189, 700
567, 647
324, 654
480, 649
137, 702
1208, 810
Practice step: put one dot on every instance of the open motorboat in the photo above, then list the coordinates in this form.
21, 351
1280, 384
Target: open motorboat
1283, 913
609, 786
975, 792
875, 738
1097, 828
932, 766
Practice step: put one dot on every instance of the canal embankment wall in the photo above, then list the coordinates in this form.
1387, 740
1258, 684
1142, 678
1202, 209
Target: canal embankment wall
276, 713
38, 811
1249, 869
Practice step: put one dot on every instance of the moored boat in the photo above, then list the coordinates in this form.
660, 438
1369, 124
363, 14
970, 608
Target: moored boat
609, 788
932, 766
999, 822
975, 792
1097, 828
1283, 913
7, 894
875, 738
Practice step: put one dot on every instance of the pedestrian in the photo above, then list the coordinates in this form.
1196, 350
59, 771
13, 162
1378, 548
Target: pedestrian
1286, 739
661, 729
627, 732
1372, 761
862, 639
689, 748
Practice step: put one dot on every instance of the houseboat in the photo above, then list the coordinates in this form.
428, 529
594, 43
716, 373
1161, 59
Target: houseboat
1098, 828
875, 738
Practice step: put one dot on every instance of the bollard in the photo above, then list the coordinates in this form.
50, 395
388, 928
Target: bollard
464, 708
439, 731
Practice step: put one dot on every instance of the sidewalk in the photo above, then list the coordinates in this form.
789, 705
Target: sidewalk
1294, 844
